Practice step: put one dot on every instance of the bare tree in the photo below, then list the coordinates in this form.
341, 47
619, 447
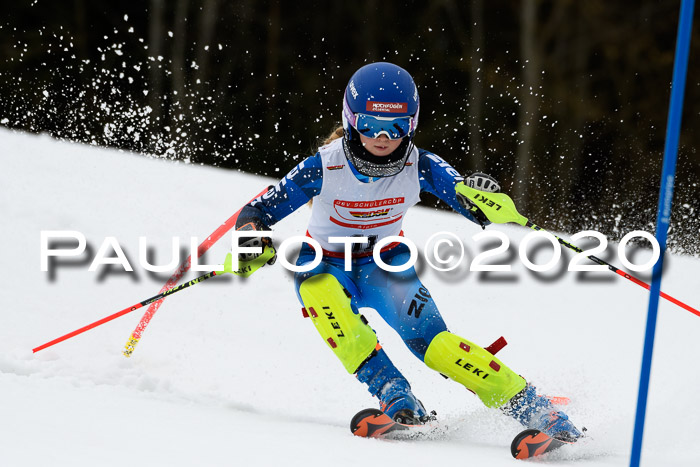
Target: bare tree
530, 59
155, 47
272, 62
179, 53
207, 29
476, 86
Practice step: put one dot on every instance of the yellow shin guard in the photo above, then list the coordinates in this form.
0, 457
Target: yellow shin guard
328, 305
473, 367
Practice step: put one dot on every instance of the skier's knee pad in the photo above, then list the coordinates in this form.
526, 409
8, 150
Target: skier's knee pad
473, 367
327, 303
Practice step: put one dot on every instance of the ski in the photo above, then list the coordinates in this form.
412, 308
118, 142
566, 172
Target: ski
532, 443
373, 423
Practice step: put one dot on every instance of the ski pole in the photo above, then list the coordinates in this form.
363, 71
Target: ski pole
616, 270
127, 310
249, 269
135, 336
500, 209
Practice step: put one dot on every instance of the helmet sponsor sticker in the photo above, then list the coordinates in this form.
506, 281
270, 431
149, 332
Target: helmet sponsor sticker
389, 107
353, 91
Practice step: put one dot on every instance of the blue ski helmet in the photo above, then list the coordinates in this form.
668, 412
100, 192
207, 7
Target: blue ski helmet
380, 99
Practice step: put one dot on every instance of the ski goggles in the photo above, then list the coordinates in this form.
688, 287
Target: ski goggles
371, 126
392, 127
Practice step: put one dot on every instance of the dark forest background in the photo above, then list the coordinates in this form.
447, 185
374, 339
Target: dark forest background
564, 101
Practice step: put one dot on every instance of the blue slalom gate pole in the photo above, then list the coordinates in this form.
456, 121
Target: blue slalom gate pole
663, 215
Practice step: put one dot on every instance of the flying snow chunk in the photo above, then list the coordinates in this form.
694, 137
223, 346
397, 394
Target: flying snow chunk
45, 93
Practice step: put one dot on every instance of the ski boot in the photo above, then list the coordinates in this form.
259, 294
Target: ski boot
537, 412
386, 383
398, 402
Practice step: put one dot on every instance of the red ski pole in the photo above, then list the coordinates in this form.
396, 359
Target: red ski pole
500, 209
617, 271
177, 275
252, 266
126, 310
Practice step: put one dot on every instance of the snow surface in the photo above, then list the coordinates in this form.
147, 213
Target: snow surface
229, 374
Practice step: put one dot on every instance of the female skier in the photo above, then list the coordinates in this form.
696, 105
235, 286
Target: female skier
362, 181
